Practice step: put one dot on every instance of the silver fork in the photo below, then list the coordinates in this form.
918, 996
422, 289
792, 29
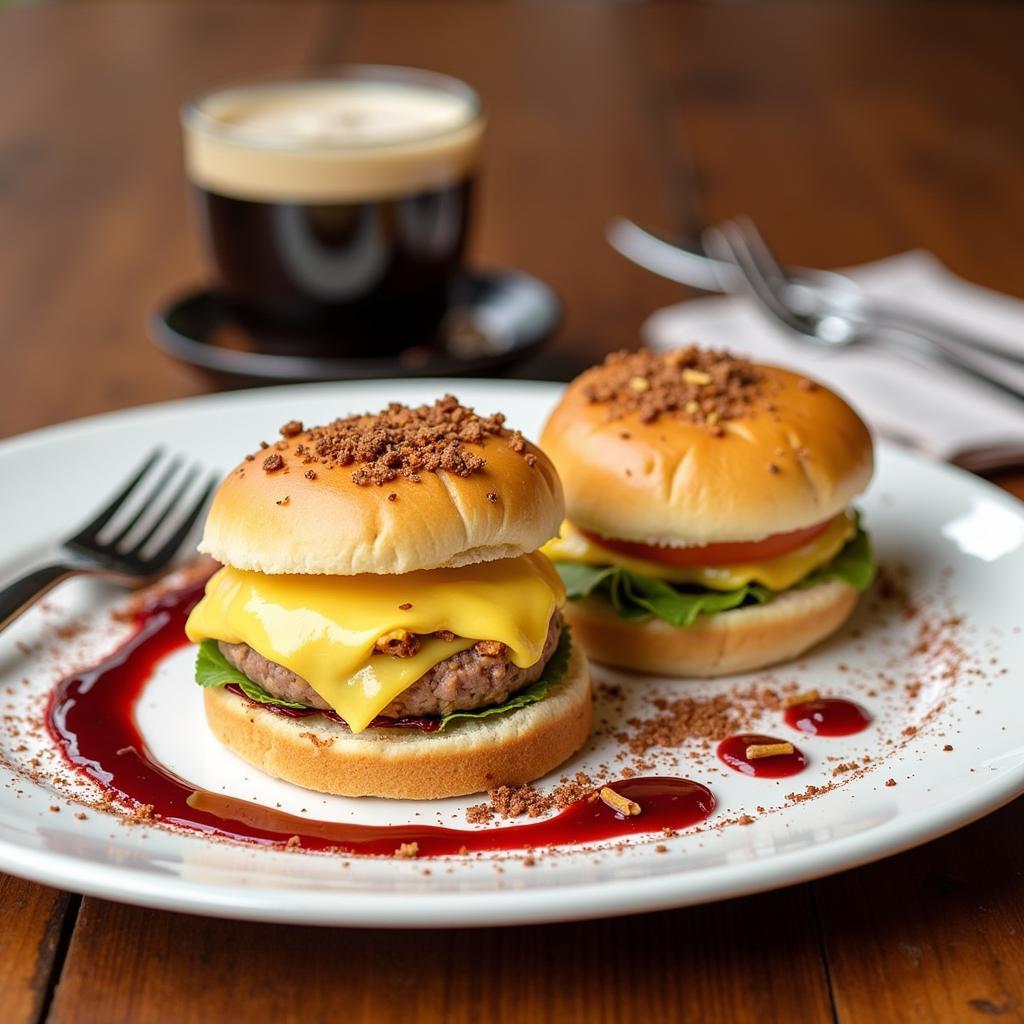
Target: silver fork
740, 245
808, 290
129, 541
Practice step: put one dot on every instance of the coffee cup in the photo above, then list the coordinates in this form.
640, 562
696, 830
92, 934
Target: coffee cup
335, 209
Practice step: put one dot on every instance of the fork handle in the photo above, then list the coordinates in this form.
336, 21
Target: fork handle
1000, 371
20, 595
939, 331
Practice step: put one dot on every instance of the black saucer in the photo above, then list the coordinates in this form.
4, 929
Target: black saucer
497, 318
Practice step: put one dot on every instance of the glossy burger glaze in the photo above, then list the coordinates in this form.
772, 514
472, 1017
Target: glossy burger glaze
287, 510
789, 455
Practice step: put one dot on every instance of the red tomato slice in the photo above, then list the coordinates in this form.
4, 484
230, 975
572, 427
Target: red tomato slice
728, 553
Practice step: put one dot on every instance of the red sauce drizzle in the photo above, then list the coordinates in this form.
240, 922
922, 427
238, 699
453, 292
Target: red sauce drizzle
91, 716
829, 716
733, 751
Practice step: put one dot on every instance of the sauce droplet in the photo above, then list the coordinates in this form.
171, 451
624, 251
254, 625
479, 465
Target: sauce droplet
829, 716
733, 751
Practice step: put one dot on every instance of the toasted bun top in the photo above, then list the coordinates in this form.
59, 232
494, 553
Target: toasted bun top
399, 490
696, 447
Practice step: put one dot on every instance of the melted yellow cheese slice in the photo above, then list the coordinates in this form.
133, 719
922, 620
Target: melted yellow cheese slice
775, 573
323, 628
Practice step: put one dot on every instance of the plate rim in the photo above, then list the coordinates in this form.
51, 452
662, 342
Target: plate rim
502, 906
499, 908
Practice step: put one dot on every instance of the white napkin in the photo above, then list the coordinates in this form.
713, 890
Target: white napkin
908, 398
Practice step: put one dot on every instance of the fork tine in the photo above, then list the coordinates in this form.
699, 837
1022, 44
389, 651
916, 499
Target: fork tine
88, 532
761, 252
148, 502
165, 513
731, 244
166, 551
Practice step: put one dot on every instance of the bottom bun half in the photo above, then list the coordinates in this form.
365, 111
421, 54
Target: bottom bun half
470, 756
715, 645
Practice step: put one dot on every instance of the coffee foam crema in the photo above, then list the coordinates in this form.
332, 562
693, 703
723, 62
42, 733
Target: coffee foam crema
338, 140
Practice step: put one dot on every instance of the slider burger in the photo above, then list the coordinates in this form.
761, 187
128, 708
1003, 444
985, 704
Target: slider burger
709, 524
383, 624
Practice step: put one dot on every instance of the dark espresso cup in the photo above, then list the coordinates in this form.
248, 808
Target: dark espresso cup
335, 209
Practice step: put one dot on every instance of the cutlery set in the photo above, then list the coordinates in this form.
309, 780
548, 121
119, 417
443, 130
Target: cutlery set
825, 309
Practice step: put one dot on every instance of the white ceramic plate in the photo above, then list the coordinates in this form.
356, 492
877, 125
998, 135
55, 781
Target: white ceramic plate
961, 540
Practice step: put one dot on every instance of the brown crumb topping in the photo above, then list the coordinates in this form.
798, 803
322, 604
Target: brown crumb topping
520, 801
399, 443
512, 802
140, 814
489, 648
703, 386
399, 643
479, 814
701, 718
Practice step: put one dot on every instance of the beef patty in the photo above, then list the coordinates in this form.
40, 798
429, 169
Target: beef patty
473, 678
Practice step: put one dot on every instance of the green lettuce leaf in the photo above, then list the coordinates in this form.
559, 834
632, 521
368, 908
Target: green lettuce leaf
213, 669
855, 564
638, 597
634, 596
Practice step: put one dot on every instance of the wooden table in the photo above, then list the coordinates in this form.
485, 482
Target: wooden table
848, 132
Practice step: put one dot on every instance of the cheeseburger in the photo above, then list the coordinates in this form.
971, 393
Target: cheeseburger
709, 524
383, 624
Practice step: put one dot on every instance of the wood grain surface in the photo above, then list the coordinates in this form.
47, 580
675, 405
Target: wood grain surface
848, 131
125, 963
34, 922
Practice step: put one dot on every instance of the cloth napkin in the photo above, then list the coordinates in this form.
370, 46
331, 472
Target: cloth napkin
908, 398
